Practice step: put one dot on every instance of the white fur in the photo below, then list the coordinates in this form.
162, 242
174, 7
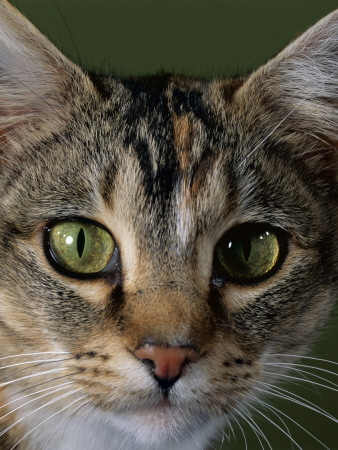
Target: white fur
91, 429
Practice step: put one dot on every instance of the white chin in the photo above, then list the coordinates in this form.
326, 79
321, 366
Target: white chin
165, 427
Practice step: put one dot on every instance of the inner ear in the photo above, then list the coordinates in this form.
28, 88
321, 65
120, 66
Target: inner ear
296, 96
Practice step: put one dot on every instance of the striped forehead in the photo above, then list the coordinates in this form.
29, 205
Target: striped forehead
168, 135
175, 142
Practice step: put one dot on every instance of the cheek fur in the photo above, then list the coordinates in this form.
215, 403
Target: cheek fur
163, 347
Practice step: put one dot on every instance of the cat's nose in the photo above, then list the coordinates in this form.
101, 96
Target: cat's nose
166, 362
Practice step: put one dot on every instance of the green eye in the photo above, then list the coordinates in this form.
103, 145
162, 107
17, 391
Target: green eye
248, 253
80, 247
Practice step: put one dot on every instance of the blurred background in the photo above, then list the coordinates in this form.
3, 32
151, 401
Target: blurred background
221, 38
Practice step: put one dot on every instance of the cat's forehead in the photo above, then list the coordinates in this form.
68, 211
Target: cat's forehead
171, 138
172, 127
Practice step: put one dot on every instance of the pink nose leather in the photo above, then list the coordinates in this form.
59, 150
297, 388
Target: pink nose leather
168, 360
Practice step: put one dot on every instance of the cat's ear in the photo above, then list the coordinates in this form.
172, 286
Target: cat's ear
37, 84
299, 91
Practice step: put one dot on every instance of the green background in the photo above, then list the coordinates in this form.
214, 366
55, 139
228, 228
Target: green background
202, 38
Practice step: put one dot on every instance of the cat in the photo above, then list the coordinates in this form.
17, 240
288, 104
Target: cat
167, 245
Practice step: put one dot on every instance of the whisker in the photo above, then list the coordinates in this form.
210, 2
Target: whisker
31, 376
224, 433
283, 375
246, 416
37, 409
62, 421
33, 400
40, 361
223, 436
273, 408
242, 431
33, 393
307, 402
33, 354
42, 383
283, 422
276, 425
309, 405
48, 418
231, 431
124, 440
244, 411
305, 357
291, 365
313, 387
47, 361
303, 374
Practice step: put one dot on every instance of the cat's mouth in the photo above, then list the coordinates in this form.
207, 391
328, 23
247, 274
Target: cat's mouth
163, 407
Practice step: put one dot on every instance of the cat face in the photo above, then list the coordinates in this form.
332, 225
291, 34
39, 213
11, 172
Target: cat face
162, 239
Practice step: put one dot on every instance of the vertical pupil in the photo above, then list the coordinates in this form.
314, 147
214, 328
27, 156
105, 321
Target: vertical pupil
80, 242
247, 248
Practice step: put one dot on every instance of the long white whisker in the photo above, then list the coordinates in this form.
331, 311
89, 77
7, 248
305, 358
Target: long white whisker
276, 425
290, 396
314, 408
273, 408
300, 365
305, 357
224, 434
242, 431
33, 354
47, 361
34, 393
283, 375
31, 376
283, 422
232, 431
37, 409
246, 416
303, 375
305, 371
48, 418
40, 361
255, 426
32, 400
42, 383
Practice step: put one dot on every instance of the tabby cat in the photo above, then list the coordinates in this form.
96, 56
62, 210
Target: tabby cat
166, 243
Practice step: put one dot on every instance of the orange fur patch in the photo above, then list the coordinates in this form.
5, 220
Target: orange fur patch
183, 139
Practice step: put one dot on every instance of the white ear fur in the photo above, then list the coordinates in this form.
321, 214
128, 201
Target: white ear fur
34, 79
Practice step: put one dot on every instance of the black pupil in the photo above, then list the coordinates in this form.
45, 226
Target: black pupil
247, 248
80, 242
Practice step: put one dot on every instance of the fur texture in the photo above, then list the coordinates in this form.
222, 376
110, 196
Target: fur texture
168, 165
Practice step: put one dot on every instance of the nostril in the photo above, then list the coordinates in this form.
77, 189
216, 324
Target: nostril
166, 362
149, 363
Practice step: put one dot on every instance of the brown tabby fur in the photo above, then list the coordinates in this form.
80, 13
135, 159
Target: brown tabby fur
167, 164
